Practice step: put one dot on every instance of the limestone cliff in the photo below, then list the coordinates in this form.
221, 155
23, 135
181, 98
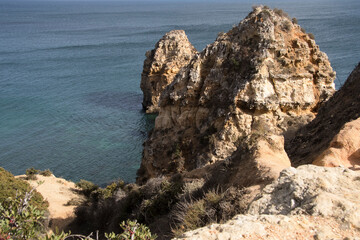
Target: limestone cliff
171, 53
313, 139
265, 77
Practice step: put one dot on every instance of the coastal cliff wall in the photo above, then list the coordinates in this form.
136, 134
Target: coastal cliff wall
265, 76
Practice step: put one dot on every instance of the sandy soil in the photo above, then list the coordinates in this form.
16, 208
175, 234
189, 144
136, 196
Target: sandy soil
59, 193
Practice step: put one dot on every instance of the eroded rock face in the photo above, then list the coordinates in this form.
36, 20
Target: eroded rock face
265, 76
309, 202
171, 53
314, 138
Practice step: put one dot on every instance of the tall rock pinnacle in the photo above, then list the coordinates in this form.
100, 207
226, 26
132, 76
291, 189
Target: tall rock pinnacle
171, 53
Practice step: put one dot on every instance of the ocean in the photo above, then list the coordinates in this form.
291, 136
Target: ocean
70, 72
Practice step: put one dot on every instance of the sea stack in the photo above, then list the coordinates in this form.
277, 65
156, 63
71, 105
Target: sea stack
264, 77
171, 53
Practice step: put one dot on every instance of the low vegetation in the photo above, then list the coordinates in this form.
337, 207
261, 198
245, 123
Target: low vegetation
174, 205
23, 213
32, 172
11, 187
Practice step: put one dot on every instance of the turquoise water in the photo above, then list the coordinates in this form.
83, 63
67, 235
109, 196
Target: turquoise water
70, 72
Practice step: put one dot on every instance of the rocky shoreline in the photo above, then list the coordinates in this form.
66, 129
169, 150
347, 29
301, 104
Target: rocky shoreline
251, 141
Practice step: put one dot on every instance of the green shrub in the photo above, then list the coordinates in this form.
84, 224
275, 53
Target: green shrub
110, 189
311, 36
162, 202
46, 173
212, 206
19, 219
286, 26
87, 187
132, 230
31, 173
281, 13
94, 192
12, 187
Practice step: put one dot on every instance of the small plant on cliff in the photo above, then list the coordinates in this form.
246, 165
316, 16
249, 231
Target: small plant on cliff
311, 36
281, 13
213, 206
163, 200
286, 26
46, 173
87, 187
132, 230
31, 173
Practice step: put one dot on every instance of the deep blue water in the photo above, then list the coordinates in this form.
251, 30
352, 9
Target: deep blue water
70, 72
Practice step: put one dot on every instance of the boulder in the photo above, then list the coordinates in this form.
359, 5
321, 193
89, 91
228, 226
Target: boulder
265, 76
171, 53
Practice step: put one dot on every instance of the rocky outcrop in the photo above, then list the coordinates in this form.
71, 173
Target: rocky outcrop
309, 202
344, 149
171, 53
263, 77
313, 139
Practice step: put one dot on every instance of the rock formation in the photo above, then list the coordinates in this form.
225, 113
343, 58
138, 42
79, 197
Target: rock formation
313, 139
171, 53
309, 202
264, 77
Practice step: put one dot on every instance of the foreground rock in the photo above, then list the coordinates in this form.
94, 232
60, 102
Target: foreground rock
62, 197
313, 139
309, 202
265, 76
171, 53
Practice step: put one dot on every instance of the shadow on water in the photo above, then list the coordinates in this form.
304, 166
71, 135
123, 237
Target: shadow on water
148, 123
126, 101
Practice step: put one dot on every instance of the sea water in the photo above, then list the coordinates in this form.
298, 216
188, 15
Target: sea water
70, 73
